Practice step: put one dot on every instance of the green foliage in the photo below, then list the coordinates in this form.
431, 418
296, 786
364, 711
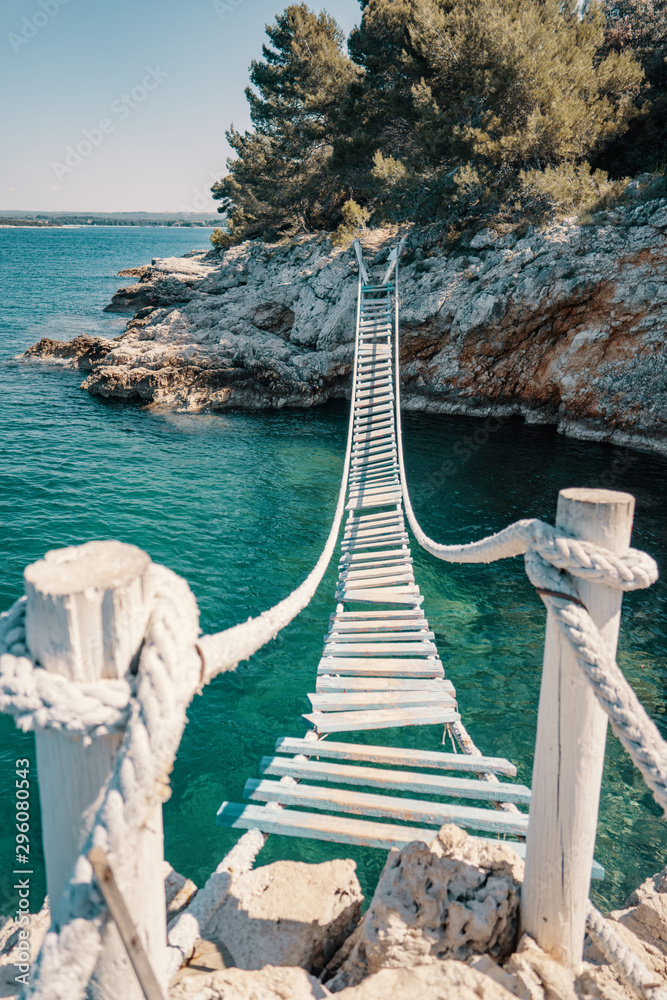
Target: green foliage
221, 238
354, 222
567, 189
449, 109
279, 183
639, 27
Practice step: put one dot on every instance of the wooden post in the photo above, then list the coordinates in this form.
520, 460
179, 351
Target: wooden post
86, 616
570, 745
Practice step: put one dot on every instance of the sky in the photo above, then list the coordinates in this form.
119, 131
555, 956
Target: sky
122, 105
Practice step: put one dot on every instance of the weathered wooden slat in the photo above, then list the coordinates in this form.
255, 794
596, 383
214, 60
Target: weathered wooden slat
364, 637
388, 579
359, 545
352, 615
372, 502
386, 520
378, 571
397, 756
383, 718
366, 519
380, 667
361, 701
390, 595
352, 558
388, 806
404, 781
341, 829
378, 625
329, 683
347, 648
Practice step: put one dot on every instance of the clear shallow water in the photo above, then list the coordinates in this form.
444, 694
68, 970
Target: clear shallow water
240, 505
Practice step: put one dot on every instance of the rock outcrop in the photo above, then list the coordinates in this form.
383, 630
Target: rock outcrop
287, 913
451, 899
564, 326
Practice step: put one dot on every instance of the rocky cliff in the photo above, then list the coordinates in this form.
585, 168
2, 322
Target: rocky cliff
565, 326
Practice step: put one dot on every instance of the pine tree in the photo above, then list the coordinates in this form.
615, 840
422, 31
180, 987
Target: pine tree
279, 181
639, 27
500, 85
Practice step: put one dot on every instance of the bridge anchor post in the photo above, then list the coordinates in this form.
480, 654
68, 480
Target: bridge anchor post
570, 745
86, 616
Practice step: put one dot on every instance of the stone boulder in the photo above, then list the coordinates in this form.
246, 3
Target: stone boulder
446, 980
448, 900
268, 983
287, 914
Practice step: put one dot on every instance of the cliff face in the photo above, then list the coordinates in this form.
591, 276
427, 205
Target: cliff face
564, 326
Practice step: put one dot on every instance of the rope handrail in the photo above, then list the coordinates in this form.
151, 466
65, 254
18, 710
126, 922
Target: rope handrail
150, 710
547, 553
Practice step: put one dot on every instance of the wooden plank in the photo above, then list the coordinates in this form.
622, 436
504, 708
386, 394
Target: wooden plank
387, 806
403, 569
363, 637
352, 558
383, 718
369, 518
388, 595
348, 701
352, 615
337, 649
397, 756
388, 577
381, 625
373, 502
340, 829
361, 544
380, 667
129, 935
327, 683
404, 781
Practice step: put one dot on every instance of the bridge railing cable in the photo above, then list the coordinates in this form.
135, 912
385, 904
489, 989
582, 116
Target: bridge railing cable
553, 561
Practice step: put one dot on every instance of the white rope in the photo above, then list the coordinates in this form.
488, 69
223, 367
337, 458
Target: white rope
633, 972
151, 710
552, 558
190, 924
168, 675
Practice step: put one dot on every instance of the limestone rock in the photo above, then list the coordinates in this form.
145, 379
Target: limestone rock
450, 899
562, 326
447, 980
179, 891
268, 983
646, 913
538, 976
287, 913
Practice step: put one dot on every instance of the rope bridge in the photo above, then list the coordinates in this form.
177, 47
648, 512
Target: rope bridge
379, 670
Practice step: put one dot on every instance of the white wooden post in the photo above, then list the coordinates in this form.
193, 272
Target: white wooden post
570, 745
86, 617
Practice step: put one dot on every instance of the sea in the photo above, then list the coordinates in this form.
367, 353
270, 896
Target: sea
240, 503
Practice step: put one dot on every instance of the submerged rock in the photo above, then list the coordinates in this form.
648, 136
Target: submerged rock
564, 326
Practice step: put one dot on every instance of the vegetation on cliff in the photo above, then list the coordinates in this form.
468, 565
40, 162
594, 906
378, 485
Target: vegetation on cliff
445, 109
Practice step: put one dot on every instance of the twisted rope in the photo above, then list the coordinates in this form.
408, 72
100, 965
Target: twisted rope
630, 967
552, 558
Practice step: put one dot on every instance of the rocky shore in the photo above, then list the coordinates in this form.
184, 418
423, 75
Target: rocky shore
443, 924
564, 326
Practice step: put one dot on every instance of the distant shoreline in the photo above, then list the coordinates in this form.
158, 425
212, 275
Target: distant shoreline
57, 224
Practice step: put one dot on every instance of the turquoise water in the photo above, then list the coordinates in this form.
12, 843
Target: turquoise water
240, 505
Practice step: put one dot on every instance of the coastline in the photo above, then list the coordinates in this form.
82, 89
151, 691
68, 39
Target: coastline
562, 326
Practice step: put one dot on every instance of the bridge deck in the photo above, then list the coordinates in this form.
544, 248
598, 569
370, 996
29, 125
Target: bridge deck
379, 669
